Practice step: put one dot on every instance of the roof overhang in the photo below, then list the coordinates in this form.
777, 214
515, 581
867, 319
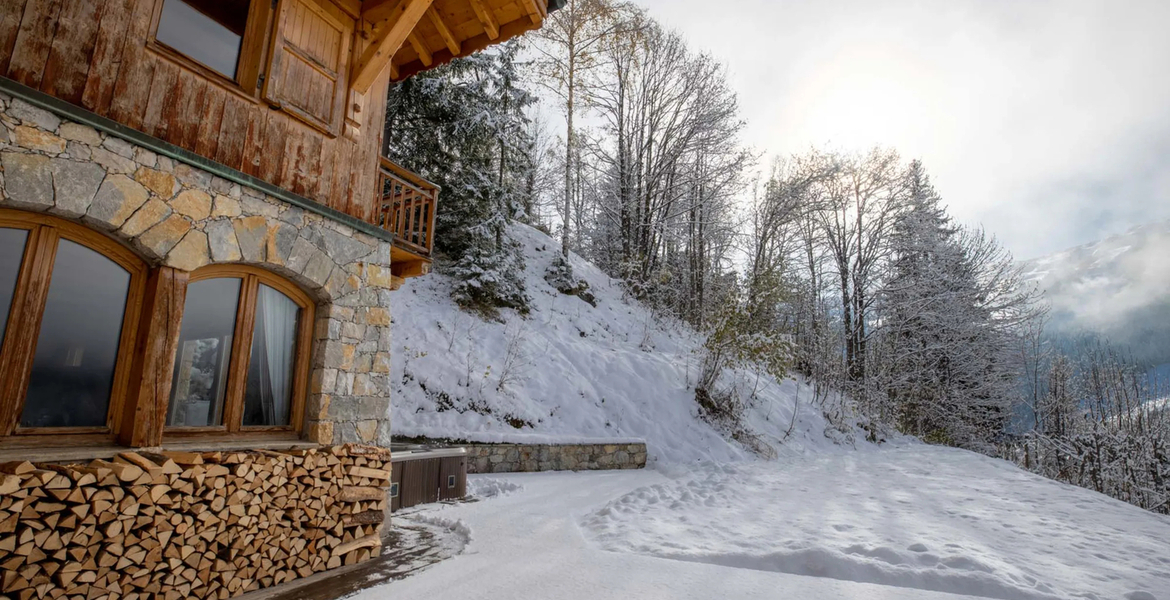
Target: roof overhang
410, 36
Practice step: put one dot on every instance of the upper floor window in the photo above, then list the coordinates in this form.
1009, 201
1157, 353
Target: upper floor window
294, 54
242, 358
210, 32
67, 320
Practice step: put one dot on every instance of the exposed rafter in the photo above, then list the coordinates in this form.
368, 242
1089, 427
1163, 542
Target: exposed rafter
424, 53
486, 18
376, 10
534, 12
448, 38
402, 18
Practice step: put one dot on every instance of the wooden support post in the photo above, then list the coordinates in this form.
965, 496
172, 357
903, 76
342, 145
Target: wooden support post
145, 412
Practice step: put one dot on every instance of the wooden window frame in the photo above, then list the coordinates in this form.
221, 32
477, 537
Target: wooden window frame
253, 51
18, 348
241, 351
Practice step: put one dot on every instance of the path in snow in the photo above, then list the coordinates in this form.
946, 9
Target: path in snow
917, 517
914, 523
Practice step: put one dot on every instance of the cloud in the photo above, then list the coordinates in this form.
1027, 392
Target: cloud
1047, 120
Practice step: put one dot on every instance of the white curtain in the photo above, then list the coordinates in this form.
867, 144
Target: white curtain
279, 315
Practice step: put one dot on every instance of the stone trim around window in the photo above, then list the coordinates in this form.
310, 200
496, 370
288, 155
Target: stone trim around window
177, 215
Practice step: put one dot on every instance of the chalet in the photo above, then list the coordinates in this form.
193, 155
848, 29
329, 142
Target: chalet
198, 240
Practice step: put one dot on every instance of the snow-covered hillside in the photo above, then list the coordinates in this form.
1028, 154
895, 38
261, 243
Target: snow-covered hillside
569, 371
1119, 286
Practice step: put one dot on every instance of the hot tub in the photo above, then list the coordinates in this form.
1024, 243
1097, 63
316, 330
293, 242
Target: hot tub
422, 474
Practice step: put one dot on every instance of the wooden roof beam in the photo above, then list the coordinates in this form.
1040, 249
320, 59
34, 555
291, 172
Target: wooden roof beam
486, 18
424, 54
449, 38
377, 10
377, 56
534, 12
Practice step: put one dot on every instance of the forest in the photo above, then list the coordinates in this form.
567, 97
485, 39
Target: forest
610, 132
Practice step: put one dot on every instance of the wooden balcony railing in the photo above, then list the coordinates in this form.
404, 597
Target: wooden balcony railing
406, 208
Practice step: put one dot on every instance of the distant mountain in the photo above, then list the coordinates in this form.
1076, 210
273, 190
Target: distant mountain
1118, 287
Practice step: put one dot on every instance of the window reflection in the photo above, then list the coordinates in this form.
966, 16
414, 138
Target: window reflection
208, 32
77, 347
270, 372
11, 253
204, 353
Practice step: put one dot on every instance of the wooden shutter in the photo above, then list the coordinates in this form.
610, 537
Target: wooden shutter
310, 61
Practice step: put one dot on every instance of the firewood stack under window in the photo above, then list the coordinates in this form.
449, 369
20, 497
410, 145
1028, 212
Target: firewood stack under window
175, 525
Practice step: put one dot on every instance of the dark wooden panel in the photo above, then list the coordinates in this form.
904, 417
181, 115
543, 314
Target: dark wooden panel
34, 41
107, 55
162, 95
11, 13
420, 481
136, 71
210, 120
233, 129
396, 478
183, 114
275, 137
453, 466
71, 53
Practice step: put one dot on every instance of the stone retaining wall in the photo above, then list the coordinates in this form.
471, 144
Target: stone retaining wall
526, 458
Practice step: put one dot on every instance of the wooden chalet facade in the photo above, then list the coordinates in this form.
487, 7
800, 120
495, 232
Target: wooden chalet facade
198, 238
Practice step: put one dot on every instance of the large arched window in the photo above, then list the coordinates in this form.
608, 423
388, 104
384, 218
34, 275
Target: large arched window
69, 306
243, 354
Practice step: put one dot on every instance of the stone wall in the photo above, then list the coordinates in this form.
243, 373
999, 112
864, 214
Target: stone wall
174, 214
526, 458
188, 524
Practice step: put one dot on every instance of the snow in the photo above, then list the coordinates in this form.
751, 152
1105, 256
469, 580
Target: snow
709, 519
917, 516
908, 522
569, 372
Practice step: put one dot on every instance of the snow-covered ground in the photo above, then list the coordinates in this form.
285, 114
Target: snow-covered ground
909, 522
571, 372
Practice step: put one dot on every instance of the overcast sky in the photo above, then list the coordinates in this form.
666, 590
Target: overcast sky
1046, 120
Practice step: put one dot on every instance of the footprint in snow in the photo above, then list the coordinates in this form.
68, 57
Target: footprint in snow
917, 548
1140, 595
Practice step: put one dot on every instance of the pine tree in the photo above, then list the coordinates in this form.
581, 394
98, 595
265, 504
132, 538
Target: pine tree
914, 304
464, 126
951, 309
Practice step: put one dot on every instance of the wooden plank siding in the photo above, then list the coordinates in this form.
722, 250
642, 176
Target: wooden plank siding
95, 54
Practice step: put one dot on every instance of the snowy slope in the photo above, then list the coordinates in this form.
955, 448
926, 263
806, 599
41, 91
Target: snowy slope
1118, 286
568, 371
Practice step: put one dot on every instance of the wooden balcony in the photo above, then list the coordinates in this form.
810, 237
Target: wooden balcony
405, 206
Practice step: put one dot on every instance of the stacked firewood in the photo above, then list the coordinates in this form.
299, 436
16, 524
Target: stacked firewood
173, 525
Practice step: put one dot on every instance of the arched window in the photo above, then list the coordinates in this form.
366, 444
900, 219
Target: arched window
243, 355
69, 306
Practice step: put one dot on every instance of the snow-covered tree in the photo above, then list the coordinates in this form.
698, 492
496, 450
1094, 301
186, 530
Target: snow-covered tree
953, 309
465, 126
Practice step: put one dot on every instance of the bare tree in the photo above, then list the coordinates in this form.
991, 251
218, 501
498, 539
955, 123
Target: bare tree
569, 46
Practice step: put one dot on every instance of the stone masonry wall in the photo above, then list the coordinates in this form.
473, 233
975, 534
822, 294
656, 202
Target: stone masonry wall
174, 214
526, 458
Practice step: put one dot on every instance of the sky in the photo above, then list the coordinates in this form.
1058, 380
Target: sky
1046, 121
